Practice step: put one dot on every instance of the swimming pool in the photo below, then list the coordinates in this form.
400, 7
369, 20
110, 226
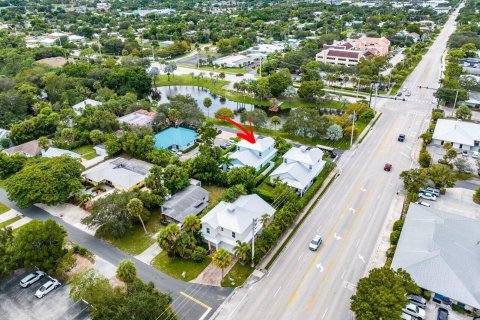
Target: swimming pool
175, 139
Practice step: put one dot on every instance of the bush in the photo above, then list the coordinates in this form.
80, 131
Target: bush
391, 252
398, 225
367, 116
65, 264
427, 294
80, 251
199, 254
127, 271
424, 159
476, 196
394, 236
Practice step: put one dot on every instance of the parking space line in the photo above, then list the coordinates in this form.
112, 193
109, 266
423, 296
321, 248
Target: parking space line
194, 300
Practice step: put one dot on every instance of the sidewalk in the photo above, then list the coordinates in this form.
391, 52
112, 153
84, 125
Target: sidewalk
212, 275
149, 254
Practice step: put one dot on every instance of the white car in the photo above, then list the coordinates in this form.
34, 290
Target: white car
428, 196
32, 278
405, 316
425, 204
414, 311
475, 154
47, 287
465, 153
404, 89
315, 243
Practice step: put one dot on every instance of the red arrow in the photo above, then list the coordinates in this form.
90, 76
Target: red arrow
246, 134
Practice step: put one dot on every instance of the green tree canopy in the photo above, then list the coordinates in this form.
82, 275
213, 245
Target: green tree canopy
126, 271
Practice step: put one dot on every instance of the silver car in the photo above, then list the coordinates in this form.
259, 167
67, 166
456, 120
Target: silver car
47, 287
315, 243
32, 278
427, 196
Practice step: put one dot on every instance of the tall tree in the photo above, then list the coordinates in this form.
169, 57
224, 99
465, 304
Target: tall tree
275, 121
207, 103
222, 259
242, 251
168, 237
192, 223
135, 209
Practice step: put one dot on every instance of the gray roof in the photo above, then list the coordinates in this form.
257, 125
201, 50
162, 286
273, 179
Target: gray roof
190, 201
56, 152
31, 148
441, 251
457, 131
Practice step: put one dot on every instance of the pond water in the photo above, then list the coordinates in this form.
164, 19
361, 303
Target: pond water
199, 94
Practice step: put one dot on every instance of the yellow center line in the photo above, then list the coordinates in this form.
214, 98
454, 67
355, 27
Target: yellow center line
329, 235
386, 138
194, 300
332, 262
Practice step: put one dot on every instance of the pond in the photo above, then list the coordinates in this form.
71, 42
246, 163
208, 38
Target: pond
199, 94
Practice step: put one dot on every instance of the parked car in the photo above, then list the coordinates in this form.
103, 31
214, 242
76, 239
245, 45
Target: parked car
414, 311
32, 278
427, 196
467, 170
417, 300
465, 153
387, 167
408, 94
425, 204
404, 89
399, 94
47, 287
401, 137
315, 243
435, 192
227, 144
405, 316
475, 154
442, 314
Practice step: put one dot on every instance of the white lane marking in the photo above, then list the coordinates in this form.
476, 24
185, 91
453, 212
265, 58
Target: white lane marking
408, 147
343, 273
357, 243
236, 307
352, 210
325, 313
361, 258
300, 257
405, 155
204, 316
348, 285
319, 266
337, 237
363, 189
276, 292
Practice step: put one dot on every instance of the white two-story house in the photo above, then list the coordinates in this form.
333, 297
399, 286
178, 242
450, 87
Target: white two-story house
256, 155
300, 167
228, 222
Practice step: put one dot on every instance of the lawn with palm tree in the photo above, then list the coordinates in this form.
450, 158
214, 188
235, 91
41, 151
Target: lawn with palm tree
179, 268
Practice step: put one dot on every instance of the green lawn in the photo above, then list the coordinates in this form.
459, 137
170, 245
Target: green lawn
8, 222
237, 275
3, 208
175, 267
297, 103
87, 152
136, 242
224, 70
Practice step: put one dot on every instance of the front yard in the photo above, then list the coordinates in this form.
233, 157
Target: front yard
179, 268
136, 242
237, 275
3, 208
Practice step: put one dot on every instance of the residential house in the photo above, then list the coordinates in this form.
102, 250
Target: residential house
78, 108
228, 222
461, 134
256, 155
56, 152
120, 173
138, 118
190, 201
440, 251
301, 165
28, 149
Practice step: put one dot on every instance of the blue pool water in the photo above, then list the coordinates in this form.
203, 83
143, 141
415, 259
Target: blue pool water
175, 138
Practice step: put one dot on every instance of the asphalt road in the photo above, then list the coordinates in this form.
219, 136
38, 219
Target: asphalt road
318, 285
190, 301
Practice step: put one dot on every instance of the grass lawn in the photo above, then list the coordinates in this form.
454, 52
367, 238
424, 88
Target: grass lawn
87, 152
215, 192
297, 103
237, 275
8, 222
175, 267
136, 242
3, 208
224, 70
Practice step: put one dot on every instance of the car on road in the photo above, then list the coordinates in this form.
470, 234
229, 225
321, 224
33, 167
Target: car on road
475, 154
465, 153
47, 287
401, 137
414, 311
431, 190
315, 243
399, 94
427, 196
425, 204
32, 278
442, 314
404, 89
408, 94
417, 300
387, 167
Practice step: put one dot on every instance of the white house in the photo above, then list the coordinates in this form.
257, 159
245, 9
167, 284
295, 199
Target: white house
78, 108
228, 222
57, 152
256, 154
300, 167
462, 135
234, 61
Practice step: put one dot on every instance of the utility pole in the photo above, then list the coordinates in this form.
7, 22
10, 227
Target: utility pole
455, 102
353, 129
254, 223
371, 93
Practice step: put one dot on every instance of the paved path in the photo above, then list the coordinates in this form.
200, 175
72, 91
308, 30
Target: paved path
190, 301
212, 275
149, 254
10, 214
17, 224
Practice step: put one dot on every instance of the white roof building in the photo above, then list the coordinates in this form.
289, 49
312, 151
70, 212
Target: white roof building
56, 152
300, 167
266, 48
78, 108
236, 61
255, 155
228, 222
463, 135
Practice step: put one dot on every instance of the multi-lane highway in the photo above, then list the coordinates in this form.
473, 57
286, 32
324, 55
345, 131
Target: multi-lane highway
318, 285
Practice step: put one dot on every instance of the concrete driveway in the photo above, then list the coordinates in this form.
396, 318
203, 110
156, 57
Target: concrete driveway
457, 201
19, 303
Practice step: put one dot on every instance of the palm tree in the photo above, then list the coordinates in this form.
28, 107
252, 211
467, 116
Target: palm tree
174, 116
154, 73
207, 103
242, 251
84, 198
225, 162
275, 120
192, 223
185, 244
168, 237
222, 259
135, 209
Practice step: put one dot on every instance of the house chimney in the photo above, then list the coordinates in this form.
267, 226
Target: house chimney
230, 208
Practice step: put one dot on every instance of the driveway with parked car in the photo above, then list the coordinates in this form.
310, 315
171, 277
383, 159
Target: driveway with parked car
18, 300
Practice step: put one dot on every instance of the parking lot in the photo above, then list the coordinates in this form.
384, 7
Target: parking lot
19, 303
438, 152
432, 309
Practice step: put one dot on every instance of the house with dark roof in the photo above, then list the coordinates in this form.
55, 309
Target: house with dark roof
28, 149
190, 201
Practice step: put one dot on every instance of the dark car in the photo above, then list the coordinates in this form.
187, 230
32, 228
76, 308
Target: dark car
387, 167
442, 314
401, 137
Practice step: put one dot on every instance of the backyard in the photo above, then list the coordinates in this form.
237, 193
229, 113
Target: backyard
179, 268
87, 152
